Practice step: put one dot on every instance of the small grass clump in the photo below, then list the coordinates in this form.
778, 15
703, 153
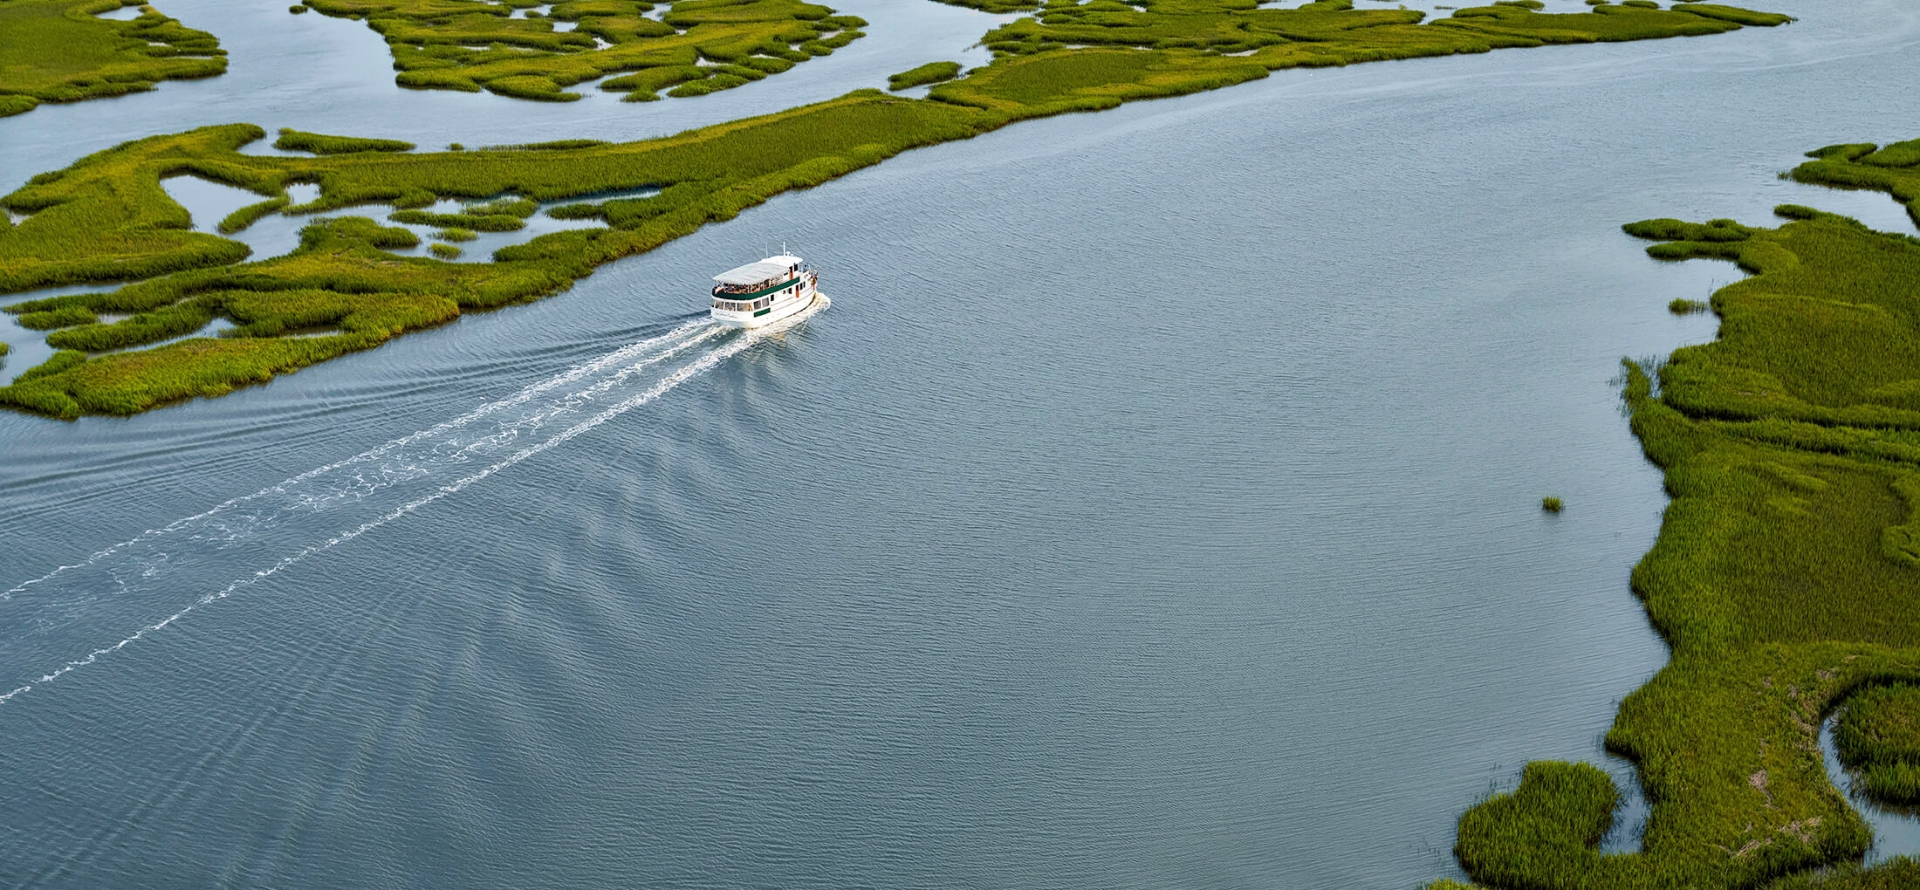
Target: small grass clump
239, 220
1559, 814
1894, 169
932, 72
165, 323
1878, 735
554, 145
474, 45
475, 222
444, 251
63, 51
322, 144
998, 7
1896, 873
1551, 504
1683, 306
584, 210
51, 319
456, 235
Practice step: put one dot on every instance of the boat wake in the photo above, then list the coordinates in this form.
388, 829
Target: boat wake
126, 584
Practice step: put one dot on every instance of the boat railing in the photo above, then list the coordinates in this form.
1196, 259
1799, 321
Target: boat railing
743, 288
718, 290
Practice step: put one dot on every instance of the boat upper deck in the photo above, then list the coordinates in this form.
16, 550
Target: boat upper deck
754, 276
759, 273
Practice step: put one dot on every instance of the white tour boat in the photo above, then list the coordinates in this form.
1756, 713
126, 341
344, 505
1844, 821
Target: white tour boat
762, 293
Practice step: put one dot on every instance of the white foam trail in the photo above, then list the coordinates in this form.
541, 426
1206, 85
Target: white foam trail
447, 449
519, 398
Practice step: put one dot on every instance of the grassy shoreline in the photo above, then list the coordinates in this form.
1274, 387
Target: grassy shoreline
1783, 574
105, 218
63, 51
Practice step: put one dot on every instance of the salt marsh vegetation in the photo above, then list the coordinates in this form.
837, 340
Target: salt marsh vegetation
1782, 578
1898, 873
1331, 32
65, 51
1877, 735
322, 144
107, 219
694, 47
932, 72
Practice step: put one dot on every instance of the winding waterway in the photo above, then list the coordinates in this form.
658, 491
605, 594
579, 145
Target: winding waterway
1155, 506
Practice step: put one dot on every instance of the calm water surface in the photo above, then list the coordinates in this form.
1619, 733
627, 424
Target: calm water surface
1156, 505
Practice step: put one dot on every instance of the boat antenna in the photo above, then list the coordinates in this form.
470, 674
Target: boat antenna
783, 248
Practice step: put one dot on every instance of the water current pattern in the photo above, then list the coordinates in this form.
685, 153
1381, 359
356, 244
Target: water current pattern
277, 527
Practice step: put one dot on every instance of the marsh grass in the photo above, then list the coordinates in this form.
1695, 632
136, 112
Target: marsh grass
444, 251
473, 45
932, 72
342, 275
555, 145
1897, 873
1894, 169
105, 218
470, 221
239, 220
63, 51
165, 323
1552, 504
322, 144
49, 319
1877, 734
1554, 821
1782, 578
576, 211
1683, 306
1331, 32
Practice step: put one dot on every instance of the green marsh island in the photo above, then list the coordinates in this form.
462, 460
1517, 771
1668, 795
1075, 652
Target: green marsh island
106, 218
63, 51
1785, 573
512, 48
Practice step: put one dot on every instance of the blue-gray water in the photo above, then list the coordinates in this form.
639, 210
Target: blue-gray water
1156, 505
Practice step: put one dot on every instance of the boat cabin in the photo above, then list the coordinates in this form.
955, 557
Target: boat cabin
755, 286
